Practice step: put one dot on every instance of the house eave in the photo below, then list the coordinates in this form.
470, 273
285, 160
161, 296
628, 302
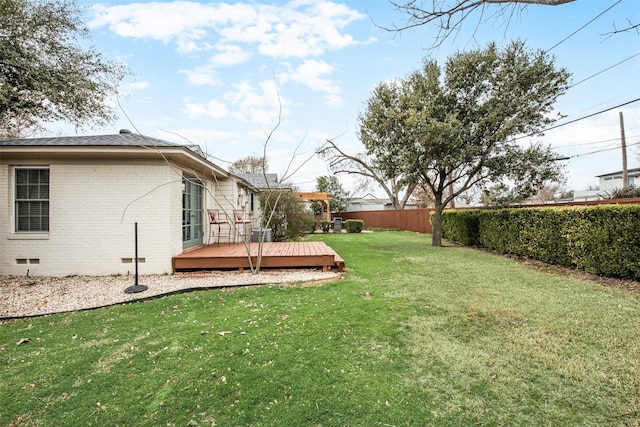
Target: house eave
177, 154
630, 171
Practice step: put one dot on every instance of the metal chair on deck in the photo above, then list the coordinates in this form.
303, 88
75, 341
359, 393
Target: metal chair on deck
216, 219
240, 222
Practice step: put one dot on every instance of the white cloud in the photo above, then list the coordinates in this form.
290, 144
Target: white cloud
205, 75
260, 105
310, 73
230, 55
192, 41
297, 29
214, 109
159, 21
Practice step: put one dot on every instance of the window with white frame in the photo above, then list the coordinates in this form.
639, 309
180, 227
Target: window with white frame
32, 200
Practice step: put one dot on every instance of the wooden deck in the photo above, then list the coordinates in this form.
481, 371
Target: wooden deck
233, 256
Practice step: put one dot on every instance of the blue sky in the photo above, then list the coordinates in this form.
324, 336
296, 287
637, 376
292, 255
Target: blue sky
214, 73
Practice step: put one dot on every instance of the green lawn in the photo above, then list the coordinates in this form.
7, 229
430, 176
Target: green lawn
412, 336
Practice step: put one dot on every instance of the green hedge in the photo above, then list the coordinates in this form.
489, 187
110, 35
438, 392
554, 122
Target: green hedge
602, 240
461, 226
354, 225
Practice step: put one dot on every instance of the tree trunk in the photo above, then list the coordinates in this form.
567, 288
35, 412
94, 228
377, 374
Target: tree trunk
437, 222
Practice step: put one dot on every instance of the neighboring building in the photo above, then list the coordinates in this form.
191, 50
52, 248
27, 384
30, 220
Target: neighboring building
261, 181
68, 205
608, 182
371, 203
612, 181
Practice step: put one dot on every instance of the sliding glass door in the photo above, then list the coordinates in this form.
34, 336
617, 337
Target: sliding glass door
192, 212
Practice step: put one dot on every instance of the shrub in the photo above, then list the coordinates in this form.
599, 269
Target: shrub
325, 225
597, 239
460, 226
626, 193
354, 225
287, 216
604, 240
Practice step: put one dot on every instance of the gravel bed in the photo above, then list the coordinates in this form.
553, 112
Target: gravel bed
33, 296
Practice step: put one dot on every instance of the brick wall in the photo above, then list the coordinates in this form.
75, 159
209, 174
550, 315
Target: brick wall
93, 208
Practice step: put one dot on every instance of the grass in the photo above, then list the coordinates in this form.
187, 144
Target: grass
413, 335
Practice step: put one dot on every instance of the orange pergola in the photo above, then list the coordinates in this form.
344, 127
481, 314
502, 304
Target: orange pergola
323, 198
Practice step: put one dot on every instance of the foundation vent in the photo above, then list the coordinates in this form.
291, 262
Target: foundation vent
130, 260
25, 261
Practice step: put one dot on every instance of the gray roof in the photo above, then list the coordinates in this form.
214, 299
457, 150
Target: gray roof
618, 172
122, 139
363, 201
258, 180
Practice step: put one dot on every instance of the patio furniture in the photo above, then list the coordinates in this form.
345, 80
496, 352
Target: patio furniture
216, 219
240, 222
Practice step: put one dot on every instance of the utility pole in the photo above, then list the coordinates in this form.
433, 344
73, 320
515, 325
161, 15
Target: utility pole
623, 143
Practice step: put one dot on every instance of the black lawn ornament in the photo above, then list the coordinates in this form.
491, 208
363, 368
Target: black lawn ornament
136, 288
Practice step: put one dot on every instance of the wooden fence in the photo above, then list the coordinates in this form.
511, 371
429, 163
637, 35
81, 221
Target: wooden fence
406, 219
419, 219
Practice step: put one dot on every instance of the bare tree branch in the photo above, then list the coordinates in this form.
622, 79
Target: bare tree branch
630, 27
360, 164
449, 15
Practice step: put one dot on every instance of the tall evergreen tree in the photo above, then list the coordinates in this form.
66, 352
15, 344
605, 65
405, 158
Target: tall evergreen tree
455, 128
46, 75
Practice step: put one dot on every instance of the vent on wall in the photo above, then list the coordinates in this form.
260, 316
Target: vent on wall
24, 261
130, 260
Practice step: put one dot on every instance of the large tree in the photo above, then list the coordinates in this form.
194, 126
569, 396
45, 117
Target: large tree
456, 128
330, 184
45, 73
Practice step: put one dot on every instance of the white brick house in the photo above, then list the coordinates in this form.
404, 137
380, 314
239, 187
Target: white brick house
68, 205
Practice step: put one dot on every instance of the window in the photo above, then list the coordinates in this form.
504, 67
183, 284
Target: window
32, 200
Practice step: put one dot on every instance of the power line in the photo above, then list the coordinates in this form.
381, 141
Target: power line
584, 117
581, 28
593, 142
606, 69
604, 148
593, 75
600, 151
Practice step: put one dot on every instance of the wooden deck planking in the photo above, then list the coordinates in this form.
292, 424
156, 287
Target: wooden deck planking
274, 255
